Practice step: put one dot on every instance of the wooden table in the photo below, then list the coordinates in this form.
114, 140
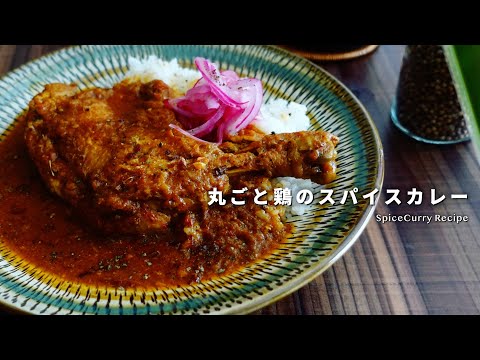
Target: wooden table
394, 268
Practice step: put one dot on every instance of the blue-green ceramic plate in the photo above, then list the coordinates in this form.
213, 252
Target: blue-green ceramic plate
319, 238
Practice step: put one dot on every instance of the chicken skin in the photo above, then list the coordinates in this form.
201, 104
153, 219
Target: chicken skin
111, 154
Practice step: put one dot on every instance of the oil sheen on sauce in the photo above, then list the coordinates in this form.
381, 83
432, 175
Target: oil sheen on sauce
42, 230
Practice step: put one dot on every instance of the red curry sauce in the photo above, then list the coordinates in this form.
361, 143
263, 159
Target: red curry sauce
44, 231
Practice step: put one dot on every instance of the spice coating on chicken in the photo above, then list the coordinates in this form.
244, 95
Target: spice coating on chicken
111, 154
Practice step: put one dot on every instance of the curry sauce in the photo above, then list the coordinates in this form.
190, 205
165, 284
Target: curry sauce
43, 230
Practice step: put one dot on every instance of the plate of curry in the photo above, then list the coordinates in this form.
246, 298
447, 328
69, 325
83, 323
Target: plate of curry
77, 241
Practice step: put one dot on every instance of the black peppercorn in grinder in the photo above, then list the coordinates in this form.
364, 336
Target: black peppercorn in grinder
426, 106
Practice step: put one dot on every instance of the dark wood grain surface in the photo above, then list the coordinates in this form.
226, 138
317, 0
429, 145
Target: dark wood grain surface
394, 268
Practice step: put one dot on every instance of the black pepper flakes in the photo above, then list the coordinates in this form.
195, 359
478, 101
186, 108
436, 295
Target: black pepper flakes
219, 171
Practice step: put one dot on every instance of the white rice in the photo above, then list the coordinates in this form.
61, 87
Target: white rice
295, 185
170, 72
280, 116
276, 116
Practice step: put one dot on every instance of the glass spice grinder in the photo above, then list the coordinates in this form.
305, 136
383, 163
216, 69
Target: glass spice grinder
426, 106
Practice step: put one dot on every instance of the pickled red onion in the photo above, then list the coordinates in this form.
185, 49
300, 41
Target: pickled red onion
220, 103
